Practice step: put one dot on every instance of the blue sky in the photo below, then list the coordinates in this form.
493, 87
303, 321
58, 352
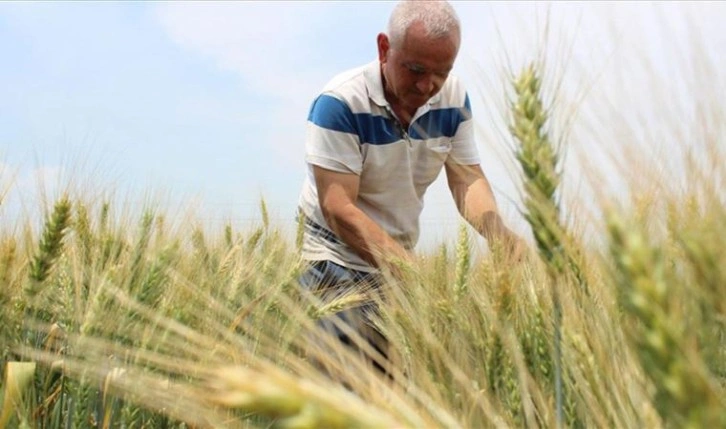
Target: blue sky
207, 102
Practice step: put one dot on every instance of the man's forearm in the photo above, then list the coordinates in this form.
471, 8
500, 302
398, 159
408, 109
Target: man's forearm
365, 236
475, 202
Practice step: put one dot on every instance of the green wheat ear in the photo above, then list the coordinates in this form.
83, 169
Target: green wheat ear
50, 247
539, 161
49, 250
683, 395
463, 262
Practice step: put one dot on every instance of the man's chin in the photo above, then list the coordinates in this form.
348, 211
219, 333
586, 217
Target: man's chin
416, 101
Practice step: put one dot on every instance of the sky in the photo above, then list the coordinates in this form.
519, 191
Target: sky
206, 102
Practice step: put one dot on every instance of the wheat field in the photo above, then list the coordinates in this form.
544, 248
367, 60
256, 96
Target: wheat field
113, 318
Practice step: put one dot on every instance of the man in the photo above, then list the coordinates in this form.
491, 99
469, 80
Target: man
377, 137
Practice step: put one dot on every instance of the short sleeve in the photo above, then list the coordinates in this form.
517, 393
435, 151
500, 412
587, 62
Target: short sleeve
332, 139
463, 144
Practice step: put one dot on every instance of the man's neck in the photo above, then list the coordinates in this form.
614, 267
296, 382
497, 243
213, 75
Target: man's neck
404, 114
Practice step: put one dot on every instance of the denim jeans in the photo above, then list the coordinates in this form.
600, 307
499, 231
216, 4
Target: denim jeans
328, 280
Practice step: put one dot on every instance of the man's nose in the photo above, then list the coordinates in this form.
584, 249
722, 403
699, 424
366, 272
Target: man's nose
425, 85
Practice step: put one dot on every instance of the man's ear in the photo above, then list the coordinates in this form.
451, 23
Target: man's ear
384, 45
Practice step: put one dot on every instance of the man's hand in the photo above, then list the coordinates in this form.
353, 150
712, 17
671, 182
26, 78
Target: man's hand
515, 249
475, 201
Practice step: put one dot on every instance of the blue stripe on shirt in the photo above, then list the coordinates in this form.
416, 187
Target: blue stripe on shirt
333, 114
330, 113
441, 122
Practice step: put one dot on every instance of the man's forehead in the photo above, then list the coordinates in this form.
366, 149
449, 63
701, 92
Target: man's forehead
427, 59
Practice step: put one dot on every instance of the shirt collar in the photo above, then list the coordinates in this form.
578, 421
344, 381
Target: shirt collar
374, 85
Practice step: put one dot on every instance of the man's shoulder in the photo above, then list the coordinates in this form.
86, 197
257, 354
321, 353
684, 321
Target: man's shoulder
348, 83
352, 88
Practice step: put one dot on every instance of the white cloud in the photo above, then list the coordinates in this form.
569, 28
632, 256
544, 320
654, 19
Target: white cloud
266, 42
270, 45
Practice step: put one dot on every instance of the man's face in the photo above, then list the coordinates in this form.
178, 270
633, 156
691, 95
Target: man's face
416, 70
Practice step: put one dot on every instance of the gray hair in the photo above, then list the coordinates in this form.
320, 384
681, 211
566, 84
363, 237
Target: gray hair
438, 17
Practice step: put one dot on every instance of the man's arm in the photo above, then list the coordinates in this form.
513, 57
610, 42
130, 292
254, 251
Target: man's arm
337, 193
475, 201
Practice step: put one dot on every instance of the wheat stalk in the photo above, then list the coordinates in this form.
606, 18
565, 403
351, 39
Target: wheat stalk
539, 161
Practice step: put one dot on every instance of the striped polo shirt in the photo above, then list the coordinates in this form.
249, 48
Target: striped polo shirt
351, 129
